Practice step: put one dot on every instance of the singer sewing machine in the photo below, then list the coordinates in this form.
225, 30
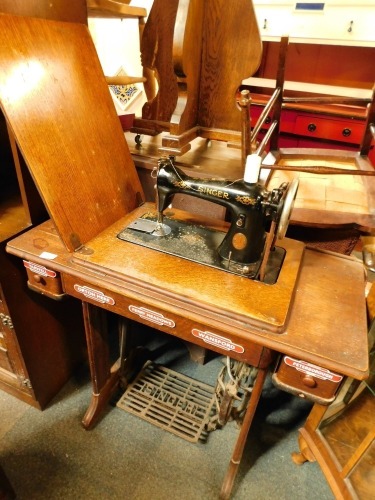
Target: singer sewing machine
244, 248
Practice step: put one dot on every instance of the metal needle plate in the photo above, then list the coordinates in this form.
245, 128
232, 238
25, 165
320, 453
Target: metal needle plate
192, 242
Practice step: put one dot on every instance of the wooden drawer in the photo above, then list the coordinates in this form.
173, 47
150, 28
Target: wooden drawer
315, 126
255, 112
327, 128
44, 280
306, 380
169, 322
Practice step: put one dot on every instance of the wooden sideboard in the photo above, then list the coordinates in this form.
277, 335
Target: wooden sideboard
41, 343
314, 126
311, 71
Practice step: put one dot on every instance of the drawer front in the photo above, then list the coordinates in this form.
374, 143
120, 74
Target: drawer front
347, 21
314, 126
307, 380
287, 120
350, 131
169, 322
44, 280
255, 112
12, 372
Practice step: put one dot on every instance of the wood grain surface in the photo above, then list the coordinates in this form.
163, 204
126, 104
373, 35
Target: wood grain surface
55, 9
232, 53
56, 101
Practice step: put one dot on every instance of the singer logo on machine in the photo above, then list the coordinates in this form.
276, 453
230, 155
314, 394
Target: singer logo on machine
38, 269
217, 340
313, 370
92, 294
152, 316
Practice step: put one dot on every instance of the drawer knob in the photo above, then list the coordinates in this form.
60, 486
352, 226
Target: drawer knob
309, 381
346, 132
267, 120
311, 127
39, 279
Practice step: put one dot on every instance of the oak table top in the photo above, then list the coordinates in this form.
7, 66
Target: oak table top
326, 324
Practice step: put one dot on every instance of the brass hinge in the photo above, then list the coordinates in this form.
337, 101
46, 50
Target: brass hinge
26, 382
6, 320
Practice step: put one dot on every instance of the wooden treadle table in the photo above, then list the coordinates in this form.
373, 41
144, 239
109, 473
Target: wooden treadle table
326, 327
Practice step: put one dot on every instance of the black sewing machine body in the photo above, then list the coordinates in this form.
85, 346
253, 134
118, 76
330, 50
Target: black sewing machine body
241, 250
244, 241
251, 206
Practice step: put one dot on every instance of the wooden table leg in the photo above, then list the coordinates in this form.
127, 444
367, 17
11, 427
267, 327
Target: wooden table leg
241, 440
312, 422
104, 378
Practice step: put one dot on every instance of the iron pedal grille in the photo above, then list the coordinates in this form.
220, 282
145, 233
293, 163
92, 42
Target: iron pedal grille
171, 401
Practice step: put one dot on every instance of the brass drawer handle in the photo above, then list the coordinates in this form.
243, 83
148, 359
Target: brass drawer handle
309, 381
39, 279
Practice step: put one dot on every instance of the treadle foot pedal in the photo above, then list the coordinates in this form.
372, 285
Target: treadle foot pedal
171, 401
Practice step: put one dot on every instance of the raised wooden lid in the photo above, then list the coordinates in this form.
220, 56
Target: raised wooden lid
54, 95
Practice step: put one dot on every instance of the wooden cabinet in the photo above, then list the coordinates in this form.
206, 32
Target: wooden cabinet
12, 369
313, 72
309, 128
351, 21
41, 341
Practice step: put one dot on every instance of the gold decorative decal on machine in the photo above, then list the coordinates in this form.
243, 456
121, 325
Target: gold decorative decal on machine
181, 185
152, 316
91, 293
312, 370
246, 200
217, 341
38, 269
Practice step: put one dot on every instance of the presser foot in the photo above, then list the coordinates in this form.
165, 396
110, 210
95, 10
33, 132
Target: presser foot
161, 230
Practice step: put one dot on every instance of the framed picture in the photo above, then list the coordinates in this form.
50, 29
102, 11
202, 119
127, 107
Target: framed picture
124, 95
